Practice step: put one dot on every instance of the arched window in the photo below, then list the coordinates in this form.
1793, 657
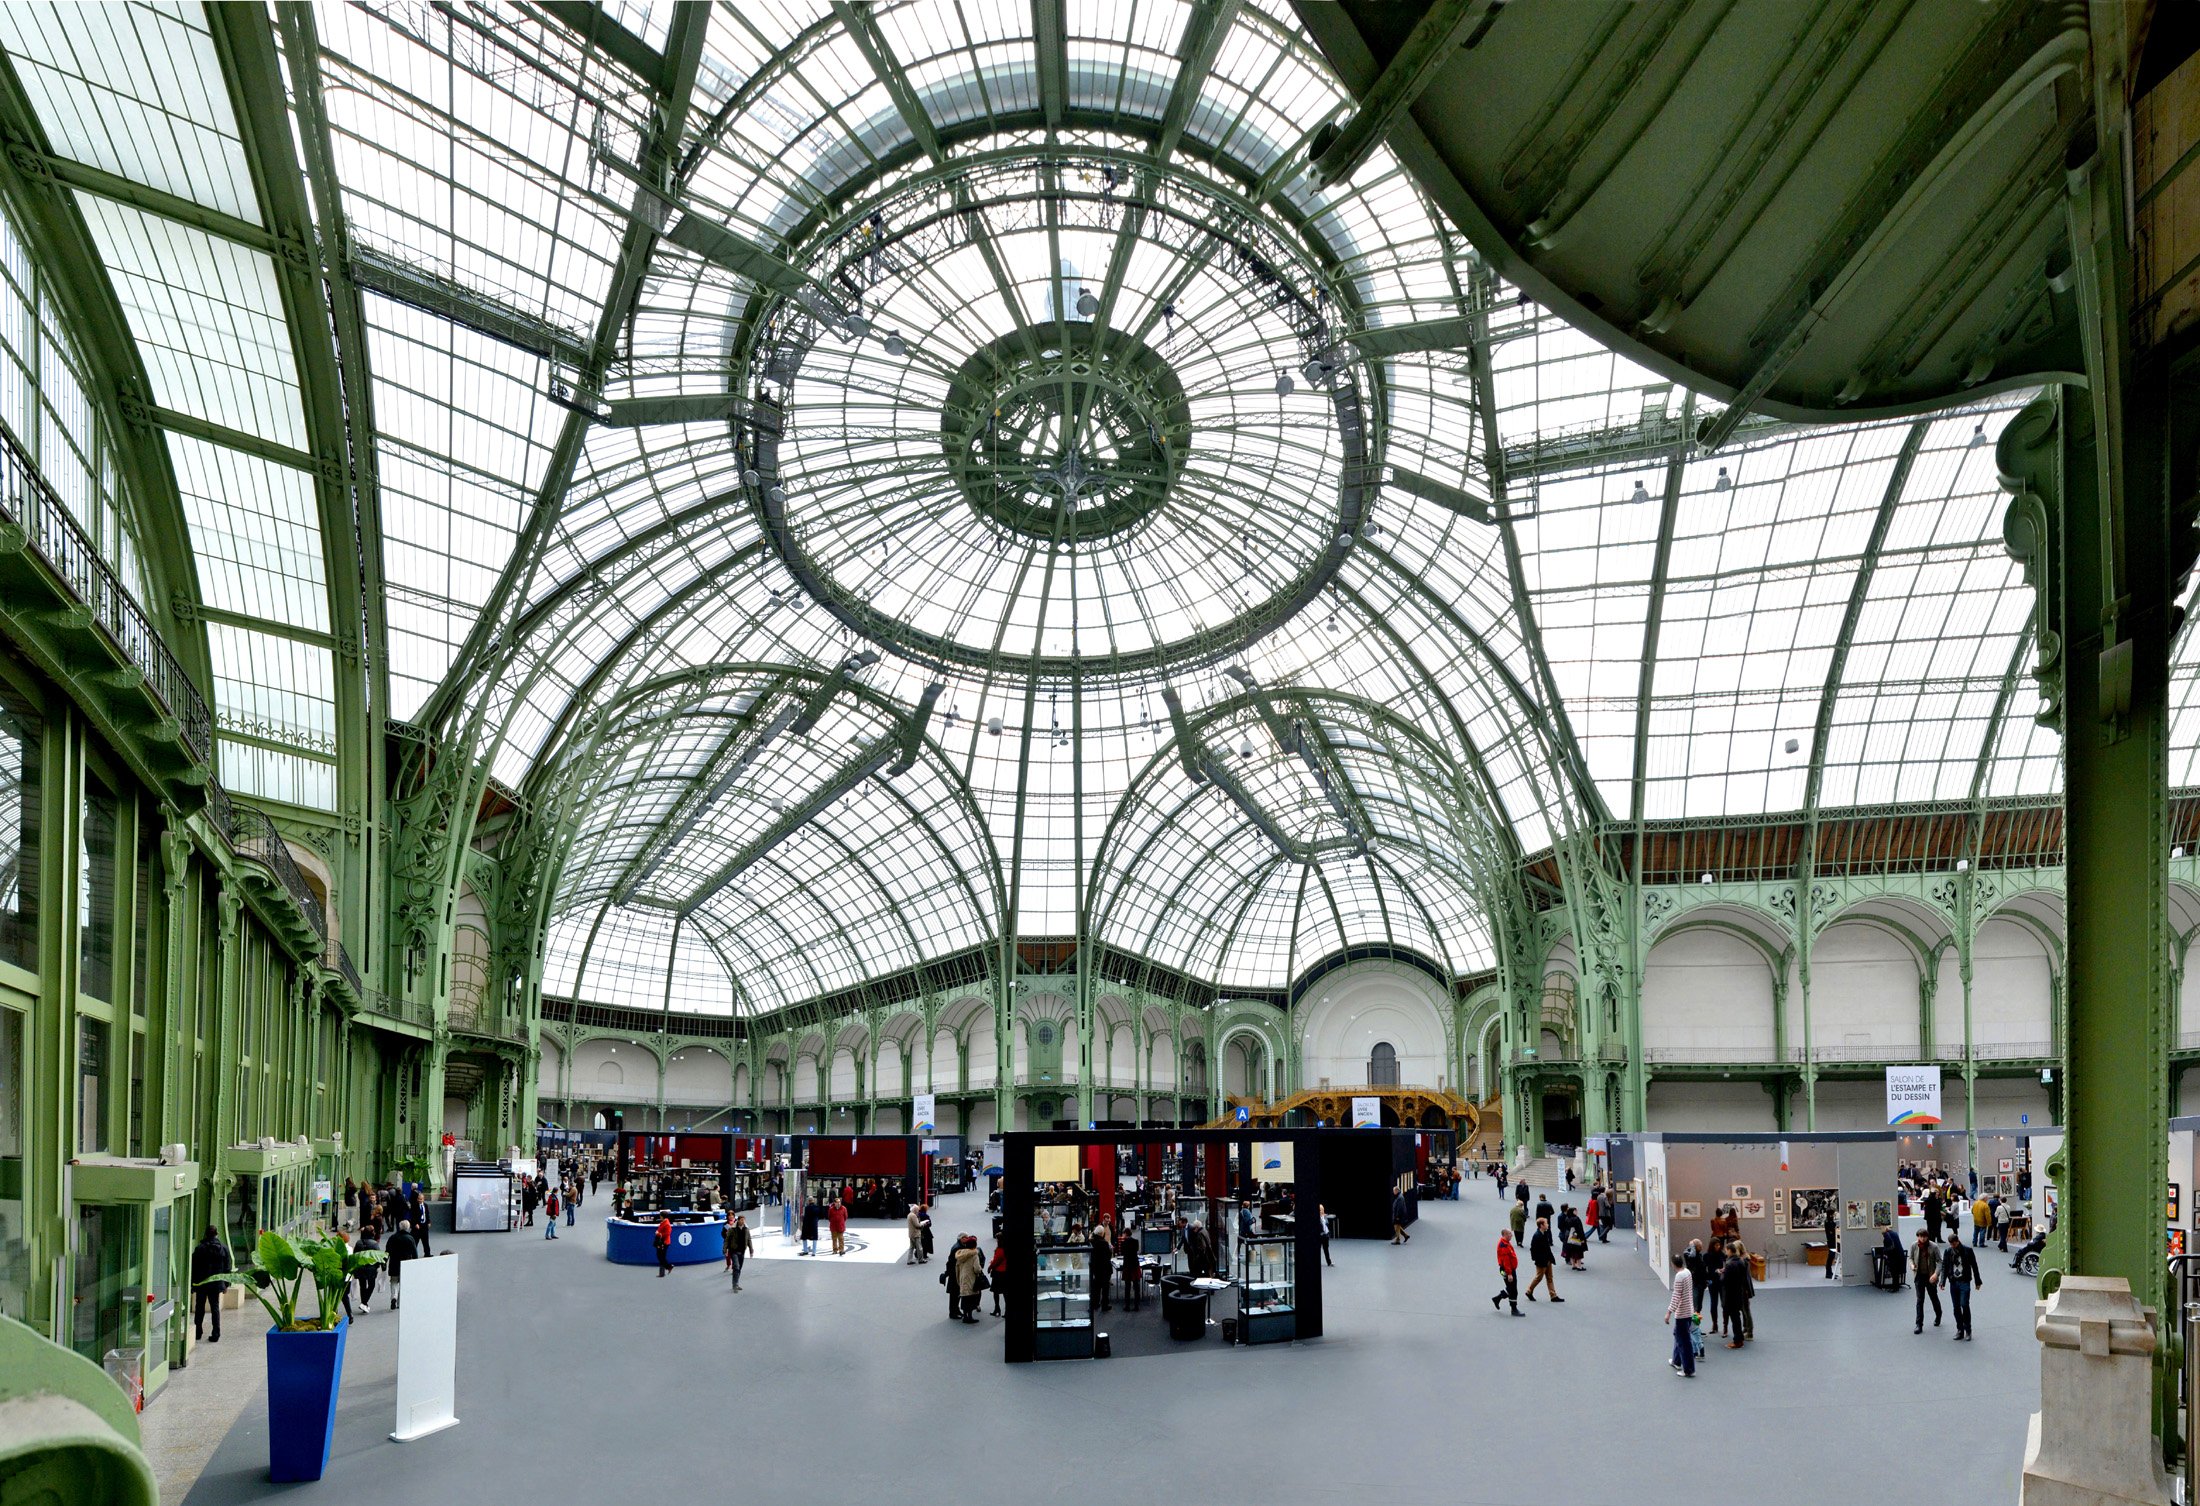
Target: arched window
1382, 1065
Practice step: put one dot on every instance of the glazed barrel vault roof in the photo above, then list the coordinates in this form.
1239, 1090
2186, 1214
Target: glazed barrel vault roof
887, 474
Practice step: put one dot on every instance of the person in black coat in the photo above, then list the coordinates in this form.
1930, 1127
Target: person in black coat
1199, 1251
400, 1249
1102, 1268
209, 1260
1833, 1243
1736, 1287
1959, 1273
1545, 1260
812, 1211
1398, 1210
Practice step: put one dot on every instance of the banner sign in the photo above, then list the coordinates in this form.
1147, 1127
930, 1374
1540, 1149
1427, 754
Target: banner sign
1367, 1113
427, 1349
1913, 1096
927, 1112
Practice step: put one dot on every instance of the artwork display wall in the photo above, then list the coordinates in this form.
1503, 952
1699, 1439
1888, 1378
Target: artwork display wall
1781, 1212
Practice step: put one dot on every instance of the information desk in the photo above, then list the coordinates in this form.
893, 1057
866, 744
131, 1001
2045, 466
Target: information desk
695, 1239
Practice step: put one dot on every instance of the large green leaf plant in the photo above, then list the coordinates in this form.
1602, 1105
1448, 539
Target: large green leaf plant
282, 1268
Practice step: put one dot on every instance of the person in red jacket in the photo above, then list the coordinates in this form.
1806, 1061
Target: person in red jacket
663, 1242
1508, 1266
838, 1218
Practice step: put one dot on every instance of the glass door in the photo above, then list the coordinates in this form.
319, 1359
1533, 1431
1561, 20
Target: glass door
109, 1309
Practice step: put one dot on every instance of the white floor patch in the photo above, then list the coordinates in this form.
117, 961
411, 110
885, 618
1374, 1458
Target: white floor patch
868, 1244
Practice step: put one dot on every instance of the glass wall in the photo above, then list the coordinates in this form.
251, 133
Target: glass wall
95, 893
15, 1250
21, 733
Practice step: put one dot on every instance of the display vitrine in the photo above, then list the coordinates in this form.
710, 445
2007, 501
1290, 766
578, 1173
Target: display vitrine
1064, 1302
1267, 1289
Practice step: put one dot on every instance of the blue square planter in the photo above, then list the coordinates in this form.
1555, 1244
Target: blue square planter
304, 1372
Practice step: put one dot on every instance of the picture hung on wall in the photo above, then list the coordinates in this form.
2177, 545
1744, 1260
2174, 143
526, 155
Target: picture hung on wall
2008, 1165
1739, 1191
1882, 1213
1810, 1207
1752, 1207
2173, 1201
2177, 1241
1854, 1214
1691, 1210
1779, 1210
2008, 1186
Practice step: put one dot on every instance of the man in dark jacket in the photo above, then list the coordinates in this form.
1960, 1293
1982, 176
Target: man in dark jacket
1398, 1235
400, 1249
1699, 1271
812, 1211
209, 1259
1545, 1259
1959, 1270
1736, 1287
1199, 1251
1925, 1273
1833, 1242
1101, 1268
528, 1197
1932, 1215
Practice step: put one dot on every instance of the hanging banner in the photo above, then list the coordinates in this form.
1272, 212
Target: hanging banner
1272, 1162
927, 1112
1367, 1113
1913, 1096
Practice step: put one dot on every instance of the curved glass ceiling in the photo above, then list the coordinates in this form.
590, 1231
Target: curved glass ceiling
884, 478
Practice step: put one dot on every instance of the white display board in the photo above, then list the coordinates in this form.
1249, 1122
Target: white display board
1367, 1113
1913, 1096
427, 1349
927, 1113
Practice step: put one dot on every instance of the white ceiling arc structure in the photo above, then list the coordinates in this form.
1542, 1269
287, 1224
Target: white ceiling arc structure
894, 475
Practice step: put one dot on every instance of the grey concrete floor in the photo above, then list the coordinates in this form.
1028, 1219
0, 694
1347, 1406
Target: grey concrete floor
588, 1382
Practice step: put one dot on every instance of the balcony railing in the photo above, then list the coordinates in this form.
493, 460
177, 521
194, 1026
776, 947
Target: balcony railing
1718, 1055
254, 836
391, 1007
29, 502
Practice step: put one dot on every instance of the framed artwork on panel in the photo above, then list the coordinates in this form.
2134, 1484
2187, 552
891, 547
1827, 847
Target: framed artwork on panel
1691, 1210
1882, 1213
1854, 1214
1751, 1207
1739, 1191
2008, 1164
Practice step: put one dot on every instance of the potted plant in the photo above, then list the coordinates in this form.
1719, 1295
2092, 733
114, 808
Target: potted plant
305, 1355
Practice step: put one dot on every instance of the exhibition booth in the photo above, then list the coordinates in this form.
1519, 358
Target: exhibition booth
1176, 1197
876, 1176
1781, 1190
1363, 1172
484, 1198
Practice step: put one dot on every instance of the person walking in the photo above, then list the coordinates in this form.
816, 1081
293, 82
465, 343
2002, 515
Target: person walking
370, 1238
1546, 1263
1699, 1271
550, 1221
1592, 1213
1517, 1215
916, 1234
1924, 1272
351, 1204
1508, 1275
1738, 1288
209, 1262
416, 1211
1398, 1235
1501, 1178
2001, 1223
401, 1248
1982, 1219
572, 1201
527, 1199
1933, 1207
738, 1245
836, 1218
811, 1213
997, 1277
1606, 1212
662, 1244
1833, 1242
1134, 1276
1321, 1217
1680, 1312
1710, 1284
1959, 1270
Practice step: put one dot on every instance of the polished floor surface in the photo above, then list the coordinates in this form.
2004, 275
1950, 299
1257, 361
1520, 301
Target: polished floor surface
581, 1381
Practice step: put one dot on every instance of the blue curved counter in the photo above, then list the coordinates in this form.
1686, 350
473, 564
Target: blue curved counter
627, 1242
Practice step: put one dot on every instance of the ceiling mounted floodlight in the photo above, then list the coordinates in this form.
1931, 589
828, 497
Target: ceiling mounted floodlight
1707, 878
1642, 493
1087, 305
855, 326
1245, 748
1344, 541
1284, 385
994, 726
1316, 371
1793, 745
1963, 865
1978, 435
1724, 483
751, 478
895, 344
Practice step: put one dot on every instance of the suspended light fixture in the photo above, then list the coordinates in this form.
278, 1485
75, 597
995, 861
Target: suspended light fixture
994, 726
1245, 748
1344, 541
1284, 385
1087, 305
1724, 483
1642, 493
1978, 435
895, 344
1793, 745
751, 478
1707, 878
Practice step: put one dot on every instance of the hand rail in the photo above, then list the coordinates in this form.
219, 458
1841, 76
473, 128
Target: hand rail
253, 835
29, 502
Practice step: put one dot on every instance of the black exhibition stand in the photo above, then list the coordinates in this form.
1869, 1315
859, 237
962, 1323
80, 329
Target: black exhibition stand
1018, 1204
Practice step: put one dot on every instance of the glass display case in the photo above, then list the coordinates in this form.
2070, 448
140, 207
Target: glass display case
1063, 1300
1267, 1289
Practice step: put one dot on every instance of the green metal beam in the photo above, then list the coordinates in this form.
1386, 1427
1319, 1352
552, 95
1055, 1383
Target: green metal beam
1443, 28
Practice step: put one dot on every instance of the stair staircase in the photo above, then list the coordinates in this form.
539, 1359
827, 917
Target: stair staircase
1539, 1171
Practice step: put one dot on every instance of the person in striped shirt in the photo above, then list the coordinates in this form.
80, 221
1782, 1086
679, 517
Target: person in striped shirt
1680, 1311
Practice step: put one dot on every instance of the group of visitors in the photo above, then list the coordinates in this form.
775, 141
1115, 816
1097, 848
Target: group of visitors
1718, 1275
1954, 1268
833, 1216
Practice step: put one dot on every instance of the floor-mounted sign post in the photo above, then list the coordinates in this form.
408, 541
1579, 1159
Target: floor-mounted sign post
427, 1349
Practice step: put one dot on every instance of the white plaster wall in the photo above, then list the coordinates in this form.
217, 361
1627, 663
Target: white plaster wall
887, 1121
1858, 1105
887, 1081
844, 1073
2188, 1102
982, 1122
2000, 1100
775, 1084
806, 1080
1357, 1006
1863, 993
613, 1064
945, 1065
698, 1071
1161, 1059
741, 1085
2010, 991
1709, 1106
1020, 1036
454, 1117
984, 1054
1707, 990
